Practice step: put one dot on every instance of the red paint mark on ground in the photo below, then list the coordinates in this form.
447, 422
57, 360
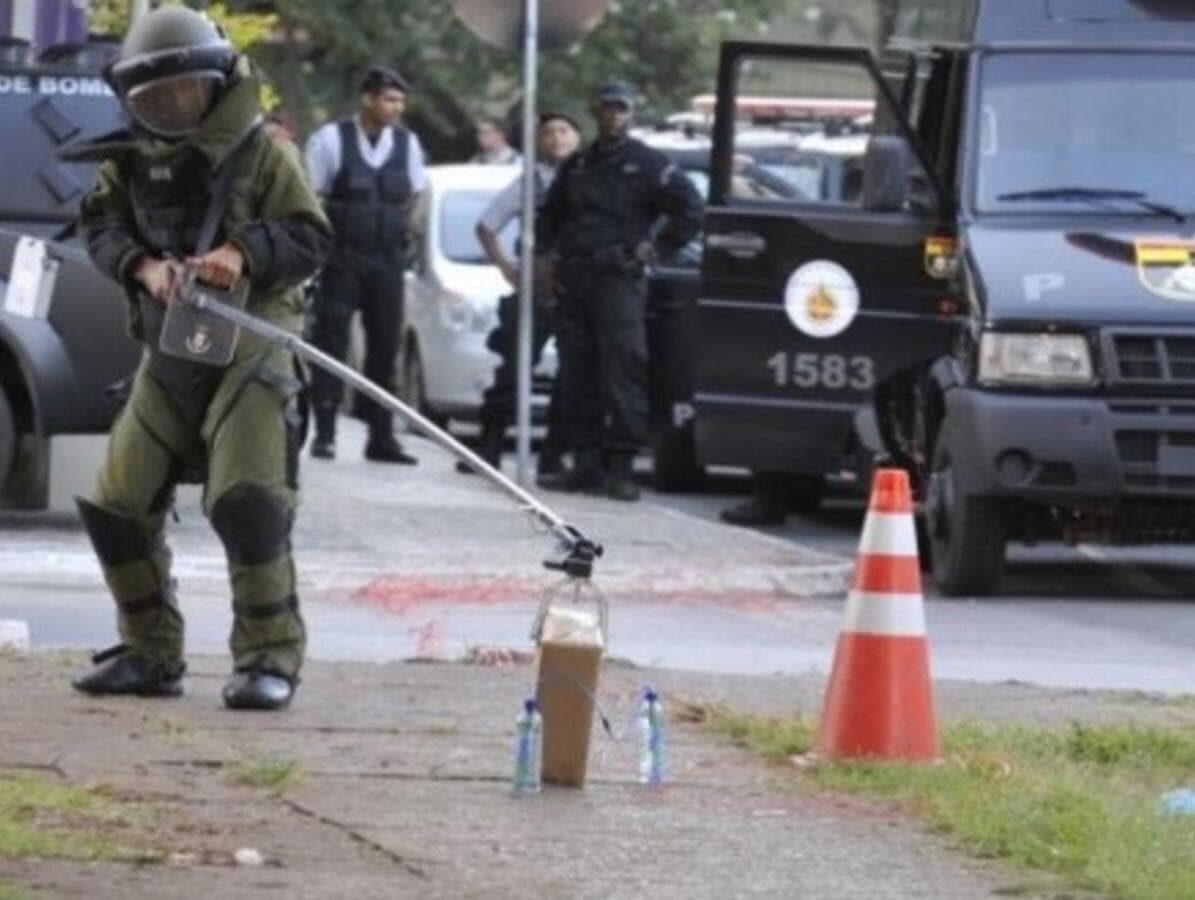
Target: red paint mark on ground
403, 594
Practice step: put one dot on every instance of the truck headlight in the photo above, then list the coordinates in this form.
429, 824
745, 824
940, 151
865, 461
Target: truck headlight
1035, 359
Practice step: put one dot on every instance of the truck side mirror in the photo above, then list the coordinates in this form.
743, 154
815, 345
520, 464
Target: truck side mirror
886, 163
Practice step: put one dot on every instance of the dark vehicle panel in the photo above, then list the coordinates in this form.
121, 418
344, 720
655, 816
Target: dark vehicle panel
55, 367
811, 301
1080, 271
79, 351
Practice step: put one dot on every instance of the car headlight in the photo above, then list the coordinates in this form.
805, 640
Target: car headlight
459, 313
1035, 359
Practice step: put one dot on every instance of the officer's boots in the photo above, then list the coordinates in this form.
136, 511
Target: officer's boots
757, 510
551, 452
489, 447
382, 446
324, 445
620, 480
585, 477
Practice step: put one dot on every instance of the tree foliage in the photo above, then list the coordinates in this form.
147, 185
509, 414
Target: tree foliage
317, 51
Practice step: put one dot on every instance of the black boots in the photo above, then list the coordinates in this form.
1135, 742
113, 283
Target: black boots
620, 480
119, 670
551, 452
254, 689
755, 511
489, 447
774, 495
324, 444
382, 446
589, 477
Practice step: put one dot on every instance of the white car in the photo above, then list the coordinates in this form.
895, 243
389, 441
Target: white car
452, 294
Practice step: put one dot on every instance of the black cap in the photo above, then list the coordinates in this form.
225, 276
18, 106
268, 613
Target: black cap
615, 91
380, 78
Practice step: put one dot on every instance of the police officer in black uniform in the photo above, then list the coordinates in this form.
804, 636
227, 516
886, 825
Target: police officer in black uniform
368, 169
614, 207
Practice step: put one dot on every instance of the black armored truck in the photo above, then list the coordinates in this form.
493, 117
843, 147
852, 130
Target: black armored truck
62, 335
1002, 299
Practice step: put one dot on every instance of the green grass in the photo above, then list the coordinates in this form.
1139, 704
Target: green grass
42, 818
12, 892
271, 773
1079, 803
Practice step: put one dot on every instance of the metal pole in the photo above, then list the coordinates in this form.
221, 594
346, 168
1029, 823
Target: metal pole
527, 242
569, 537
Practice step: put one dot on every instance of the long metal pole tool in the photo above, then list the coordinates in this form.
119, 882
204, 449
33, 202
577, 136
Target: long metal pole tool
577, 551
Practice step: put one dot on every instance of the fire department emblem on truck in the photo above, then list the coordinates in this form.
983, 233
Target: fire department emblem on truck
821, 298
1167, 267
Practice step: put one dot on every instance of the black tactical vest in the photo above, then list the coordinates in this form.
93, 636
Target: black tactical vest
168, 201
367, 206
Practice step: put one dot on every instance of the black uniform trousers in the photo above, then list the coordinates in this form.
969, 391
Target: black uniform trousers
371, 283
499, 399
602, 336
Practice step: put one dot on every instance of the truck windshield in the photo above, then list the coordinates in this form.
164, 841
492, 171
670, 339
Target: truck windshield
1087, 132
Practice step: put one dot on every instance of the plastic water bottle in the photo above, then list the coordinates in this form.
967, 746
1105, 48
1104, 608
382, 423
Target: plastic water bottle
529, 729
651, 738
1179, 802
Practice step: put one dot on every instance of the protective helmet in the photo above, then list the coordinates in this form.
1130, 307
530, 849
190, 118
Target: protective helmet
172, 65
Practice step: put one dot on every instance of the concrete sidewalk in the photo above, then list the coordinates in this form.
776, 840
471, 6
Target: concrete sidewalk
402, 792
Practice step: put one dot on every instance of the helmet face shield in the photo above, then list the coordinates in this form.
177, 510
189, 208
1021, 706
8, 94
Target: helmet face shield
174, 106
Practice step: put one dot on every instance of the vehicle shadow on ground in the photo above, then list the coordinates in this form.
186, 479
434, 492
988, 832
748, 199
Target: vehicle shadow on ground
11, 520
1094, 580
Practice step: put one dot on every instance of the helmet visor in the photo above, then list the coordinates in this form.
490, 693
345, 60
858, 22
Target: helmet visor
173, 107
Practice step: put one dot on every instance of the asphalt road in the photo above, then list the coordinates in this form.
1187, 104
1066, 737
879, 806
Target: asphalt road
1091, 616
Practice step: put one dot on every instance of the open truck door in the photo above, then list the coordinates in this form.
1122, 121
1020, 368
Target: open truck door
820, 284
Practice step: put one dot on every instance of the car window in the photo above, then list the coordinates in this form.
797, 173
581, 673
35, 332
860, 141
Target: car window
804, 129
459, 212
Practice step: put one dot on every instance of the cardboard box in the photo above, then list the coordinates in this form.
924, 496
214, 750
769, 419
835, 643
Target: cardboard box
568, 659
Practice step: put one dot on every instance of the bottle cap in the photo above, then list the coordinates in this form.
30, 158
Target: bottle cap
530, 704
649, 694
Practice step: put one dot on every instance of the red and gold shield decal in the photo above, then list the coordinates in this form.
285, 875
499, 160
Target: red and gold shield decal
1166, 266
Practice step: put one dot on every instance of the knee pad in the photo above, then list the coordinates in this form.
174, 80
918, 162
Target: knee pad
253, 523
117, 539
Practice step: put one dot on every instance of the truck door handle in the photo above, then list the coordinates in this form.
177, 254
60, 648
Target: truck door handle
739, 244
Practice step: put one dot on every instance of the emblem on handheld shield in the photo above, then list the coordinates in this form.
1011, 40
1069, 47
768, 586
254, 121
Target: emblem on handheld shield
1167, 267
199, 341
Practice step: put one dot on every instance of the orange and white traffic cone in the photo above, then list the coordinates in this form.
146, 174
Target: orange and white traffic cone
879, 701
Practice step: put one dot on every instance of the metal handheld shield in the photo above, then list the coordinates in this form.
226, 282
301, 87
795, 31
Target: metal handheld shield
196, 334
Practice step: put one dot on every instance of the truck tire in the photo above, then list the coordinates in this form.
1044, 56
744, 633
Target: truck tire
674, 465
967, 535
8, 438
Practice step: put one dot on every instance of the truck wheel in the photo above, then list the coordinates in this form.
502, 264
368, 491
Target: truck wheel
8, 438
674, 465
967, 535
414, 388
